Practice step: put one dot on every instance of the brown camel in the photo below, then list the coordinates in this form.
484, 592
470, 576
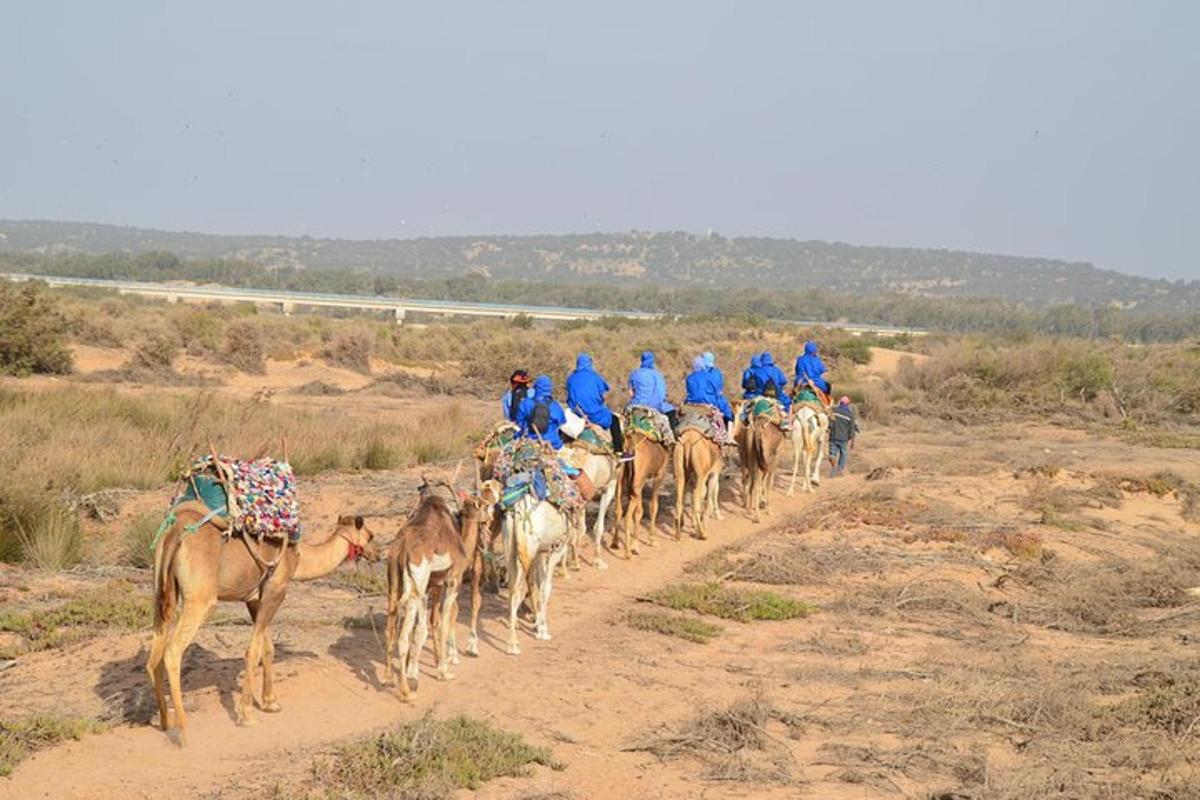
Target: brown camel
648, 468
758, 449
196, 564
433, 551
698, 461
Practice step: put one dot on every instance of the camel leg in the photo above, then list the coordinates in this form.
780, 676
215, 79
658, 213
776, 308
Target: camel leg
157, 672
420, 637
633, 519
262, 614
476, 604
410, 610
606, 498
516, 593
544, 587
445, 627
714, 492
713, 488
652, 523
797, 447
680, 489
194, 612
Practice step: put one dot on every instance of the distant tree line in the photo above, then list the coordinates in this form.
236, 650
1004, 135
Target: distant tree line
815, 304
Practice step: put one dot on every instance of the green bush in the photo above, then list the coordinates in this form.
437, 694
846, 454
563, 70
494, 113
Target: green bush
156, 351
20, 738
32, 332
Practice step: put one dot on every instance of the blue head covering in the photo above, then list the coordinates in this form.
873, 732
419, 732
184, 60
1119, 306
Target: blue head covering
699, 365
583, 361
543, 388
648, 359
710, 360
756, 360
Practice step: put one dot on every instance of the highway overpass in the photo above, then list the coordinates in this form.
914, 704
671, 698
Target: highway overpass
398, 307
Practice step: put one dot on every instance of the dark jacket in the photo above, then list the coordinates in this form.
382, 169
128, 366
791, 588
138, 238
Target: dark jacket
843, 424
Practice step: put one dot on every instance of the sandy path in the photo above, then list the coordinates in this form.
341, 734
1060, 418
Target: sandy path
585, 694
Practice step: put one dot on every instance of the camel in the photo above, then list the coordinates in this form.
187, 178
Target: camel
758, 449
602, 471
536, 536
196, 564
434, 549
698, 461
648, 468
810, 442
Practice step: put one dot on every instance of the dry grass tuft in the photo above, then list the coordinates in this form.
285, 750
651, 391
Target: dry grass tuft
116, 607
687, 628
733, 744
21, 738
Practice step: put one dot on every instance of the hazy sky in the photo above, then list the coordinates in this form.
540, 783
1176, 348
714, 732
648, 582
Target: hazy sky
1066, 129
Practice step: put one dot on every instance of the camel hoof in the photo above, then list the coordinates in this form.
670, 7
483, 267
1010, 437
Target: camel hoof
542, 637
272, 707
247, 721
473, 647
601, 563
454, 658
514, 650
446, 676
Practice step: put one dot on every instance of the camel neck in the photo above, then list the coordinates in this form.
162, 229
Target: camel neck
318, 560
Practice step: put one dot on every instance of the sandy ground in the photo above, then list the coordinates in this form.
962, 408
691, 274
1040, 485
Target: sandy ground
600, 685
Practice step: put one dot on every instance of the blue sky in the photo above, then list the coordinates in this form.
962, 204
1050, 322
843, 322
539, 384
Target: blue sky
1063, 129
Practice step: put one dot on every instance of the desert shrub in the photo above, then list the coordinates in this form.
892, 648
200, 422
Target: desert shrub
727, 602
49, 537
32, 332
155, 351
853, 349
427, 758
245, 347
136, 539
351, 349
733, 743
200, 331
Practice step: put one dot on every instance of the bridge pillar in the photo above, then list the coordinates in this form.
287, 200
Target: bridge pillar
400, 316
287, 308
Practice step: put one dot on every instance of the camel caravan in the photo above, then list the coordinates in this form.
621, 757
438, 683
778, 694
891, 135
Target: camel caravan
233, 531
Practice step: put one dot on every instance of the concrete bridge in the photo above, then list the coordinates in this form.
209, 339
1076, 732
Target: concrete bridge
399, 307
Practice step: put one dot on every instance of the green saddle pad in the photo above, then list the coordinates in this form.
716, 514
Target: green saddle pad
763, 406
206, 490
591, 438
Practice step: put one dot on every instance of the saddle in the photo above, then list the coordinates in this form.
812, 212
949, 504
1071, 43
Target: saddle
257, 498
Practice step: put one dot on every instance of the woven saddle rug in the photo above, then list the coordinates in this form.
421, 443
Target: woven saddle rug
704, 418
650, 422
258, 498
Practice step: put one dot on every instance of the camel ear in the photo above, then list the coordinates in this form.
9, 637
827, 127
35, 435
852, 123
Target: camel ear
358, 522
345, 519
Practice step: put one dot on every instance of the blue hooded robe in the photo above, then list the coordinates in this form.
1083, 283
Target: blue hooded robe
585, 392
718, 377
702, 390
543, 391
767, 371
648, 386
811, 367
752, 372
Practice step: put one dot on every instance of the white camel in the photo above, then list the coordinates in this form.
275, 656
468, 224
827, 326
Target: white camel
601, 470
810, 443
536, 536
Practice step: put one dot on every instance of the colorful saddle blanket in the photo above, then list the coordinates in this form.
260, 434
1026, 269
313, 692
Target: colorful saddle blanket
257, 497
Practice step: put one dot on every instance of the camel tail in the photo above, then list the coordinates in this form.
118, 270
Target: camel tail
166, 592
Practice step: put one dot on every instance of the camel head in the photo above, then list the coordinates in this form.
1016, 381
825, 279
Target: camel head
359, 536
487, 499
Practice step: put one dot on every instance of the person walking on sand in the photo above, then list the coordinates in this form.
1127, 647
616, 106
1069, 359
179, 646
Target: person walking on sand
843, 429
